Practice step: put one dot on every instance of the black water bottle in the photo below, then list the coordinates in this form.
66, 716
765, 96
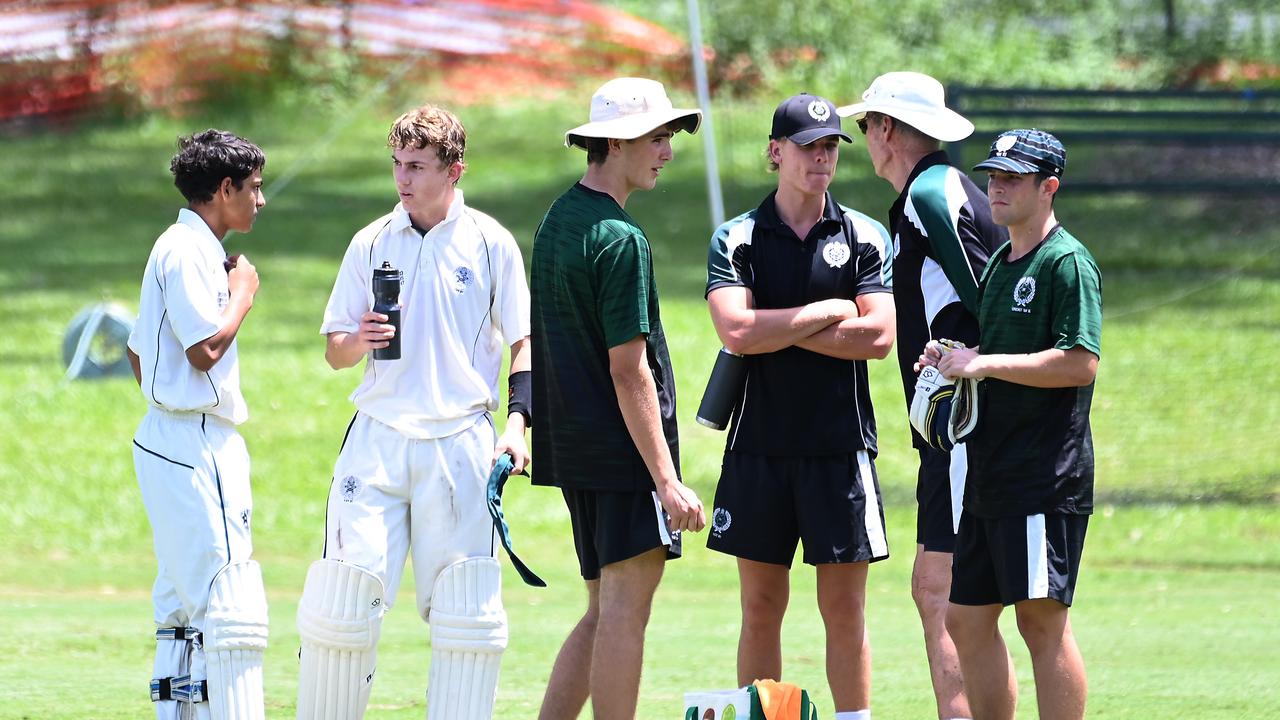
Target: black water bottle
386, 300
724, 387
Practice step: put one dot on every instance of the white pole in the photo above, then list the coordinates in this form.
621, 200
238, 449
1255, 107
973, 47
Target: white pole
714, 198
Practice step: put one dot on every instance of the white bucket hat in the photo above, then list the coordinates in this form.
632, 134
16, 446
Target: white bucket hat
917, 100
627, 108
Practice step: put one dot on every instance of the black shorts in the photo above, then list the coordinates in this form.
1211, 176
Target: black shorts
1008, 560
934, 528
765, 505
609, 527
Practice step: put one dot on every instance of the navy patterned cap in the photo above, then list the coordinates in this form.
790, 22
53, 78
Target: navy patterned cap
1026, 151
805, 118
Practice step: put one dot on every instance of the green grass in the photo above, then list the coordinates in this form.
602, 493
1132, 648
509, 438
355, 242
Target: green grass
1181, 578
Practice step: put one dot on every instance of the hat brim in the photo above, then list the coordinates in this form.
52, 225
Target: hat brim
1007, 164
804, 137
943, 124
631, 127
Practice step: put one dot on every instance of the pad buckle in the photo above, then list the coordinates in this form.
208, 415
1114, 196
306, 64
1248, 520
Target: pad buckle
180, 633
179, 688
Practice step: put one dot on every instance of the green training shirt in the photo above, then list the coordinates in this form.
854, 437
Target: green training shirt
592, 289
1032, 452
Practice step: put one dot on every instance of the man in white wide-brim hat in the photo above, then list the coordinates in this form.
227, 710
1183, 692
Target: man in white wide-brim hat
604, 395
942, 237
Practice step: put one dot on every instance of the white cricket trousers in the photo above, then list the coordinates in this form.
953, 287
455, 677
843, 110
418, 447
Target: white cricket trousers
193, 470
392, 494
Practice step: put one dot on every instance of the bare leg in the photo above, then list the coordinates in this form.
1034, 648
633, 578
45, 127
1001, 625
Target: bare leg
568, 687
626, 596
1061, 685
930, 588
842, 596
765, 589
989, 680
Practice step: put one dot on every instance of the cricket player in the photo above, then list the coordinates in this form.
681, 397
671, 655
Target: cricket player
942, 238
410, 477
801, 286
605, 392
1030, 488
192, 464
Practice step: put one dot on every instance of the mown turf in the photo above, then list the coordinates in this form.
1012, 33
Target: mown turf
1182, 573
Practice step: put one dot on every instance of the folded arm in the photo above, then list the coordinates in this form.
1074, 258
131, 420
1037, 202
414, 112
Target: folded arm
866, 337
745, 330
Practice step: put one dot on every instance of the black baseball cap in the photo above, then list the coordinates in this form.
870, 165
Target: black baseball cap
805, 118
1026, 151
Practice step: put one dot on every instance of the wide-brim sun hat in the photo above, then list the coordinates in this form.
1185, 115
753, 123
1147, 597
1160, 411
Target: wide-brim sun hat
917, 100
628, 108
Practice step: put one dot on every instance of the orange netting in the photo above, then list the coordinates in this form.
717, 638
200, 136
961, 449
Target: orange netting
62, 57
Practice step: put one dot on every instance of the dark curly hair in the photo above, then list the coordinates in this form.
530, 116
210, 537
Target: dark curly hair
204, 159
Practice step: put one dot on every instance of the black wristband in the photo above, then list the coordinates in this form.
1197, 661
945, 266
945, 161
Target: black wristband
520, 395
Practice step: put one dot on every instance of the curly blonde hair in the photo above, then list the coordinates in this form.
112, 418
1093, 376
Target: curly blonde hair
430, 126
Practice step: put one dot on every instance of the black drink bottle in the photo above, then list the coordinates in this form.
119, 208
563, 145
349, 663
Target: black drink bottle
386, 300
724, 387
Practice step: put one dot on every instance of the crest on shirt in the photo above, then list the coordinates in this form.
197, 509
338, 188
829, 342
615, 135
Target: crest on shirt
245, 515
349, 488
836, 253
1023, 293
720, 520
462, 277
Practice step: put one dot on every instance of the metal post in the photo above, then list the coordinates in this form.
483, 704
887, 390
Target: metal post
714, 197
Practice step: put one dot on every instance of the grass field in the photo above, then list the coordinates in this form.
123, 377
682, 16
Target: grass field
1177, 607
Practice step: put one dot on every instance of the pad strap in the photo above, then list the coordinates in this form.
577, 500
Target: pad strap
180, 633
179, 688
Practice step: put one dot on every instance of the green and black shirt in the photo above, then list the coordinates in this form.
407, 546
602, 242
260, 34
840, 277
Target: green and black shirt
593, 289
1032, 452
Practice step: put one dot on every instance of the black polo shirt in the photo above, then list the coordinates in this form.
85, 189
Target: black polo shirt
797, 402
943, 236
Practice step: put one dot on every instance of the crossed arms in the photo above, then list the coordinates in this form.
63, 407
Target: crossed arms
859, 329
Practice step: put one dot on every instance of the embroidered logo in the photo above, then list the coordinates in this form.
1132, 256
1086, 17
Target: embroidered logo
349, 488
836, 253
1023, 293
462, 277
224, 297
244, 517
819, 111
720, 521
1004, 142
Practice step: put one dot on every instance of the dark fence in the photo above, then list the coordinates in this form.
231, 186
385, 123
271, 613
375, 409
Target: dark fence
1155, 141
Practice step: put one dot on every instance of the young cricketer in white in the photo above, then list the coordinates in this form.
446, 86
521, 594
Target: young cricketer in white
411, 475
192, 465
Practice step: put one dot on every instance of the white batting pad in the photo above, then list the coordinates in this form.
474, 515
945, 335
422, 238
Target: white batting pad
468, 635
339, 621
235, 635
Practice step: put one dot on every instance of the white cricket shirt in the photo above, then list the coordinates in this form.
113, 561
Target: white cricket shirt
184, 291
463, 299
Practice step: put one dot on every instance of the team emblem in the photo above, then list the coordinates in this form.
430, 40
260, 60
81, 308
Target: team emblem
1005, 142
462, 277
836, 253
1024, 291
720, 520
350, 488
819, 111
